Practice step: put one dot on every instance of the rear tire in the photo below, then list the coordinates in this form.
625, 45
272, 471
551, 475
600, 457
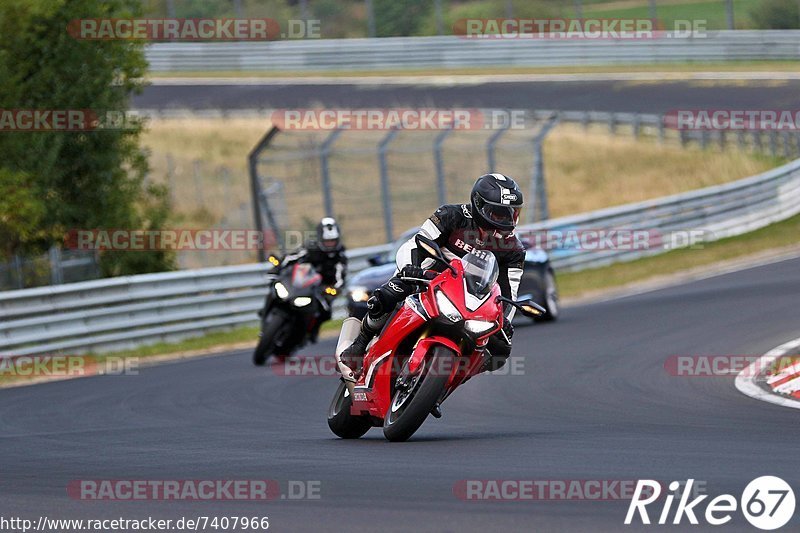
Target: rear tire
266, 345
404, 419
341, 422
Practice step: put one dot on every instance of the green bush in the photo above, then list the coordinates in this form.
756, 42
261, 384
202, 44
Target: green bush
776, 15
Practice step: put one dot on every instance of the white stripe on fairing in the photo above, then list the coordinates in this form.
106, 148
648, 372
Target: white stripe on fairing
374, 366
499, 176
746, 380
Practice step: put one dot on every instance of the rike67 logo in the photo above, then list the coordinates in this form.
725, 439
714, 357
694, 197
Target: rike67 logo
767, 502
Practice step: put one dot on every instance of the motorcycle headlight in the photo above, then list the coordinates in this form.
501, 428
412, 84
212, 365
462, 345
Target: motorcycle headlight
282, 292
478, 326
302, 301
447, 308
359, 294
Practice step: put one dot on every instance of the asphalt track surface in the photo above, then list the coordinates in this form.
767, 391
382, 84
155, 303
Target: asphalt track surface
604, 95
594, 403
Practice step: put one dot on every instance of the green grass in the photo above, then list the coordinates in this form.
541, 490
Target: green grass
776, 235
712, 11
676, 67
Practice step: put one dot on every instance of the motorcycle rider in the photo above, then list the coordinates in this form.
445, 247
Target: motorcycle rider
326, 254
486, 223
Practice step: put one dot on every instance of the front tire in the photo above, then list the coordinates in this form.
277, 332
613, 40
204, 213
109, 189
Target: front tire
410, 407
341, 422
266, 344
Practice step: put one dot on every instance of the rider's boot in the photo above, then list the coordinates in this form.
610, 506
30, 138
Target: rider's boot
353, 356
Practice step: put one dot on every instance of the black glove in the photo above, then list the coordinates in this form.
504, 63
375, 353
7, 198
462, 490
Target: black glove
508, 328
413, 272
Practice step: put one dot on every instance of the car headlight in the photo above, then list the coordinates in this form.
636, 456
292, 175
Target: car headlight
359, 294
281, 291
302, 301
478, 326
447, 308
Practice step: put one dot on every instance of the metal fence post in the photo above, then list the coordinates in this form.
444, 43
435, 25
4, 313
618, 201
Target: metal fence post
612, 124
541, 210
325, 150
18, 271
441, 185
637, 125
386, 192
773, 142
661, 130
255, 190
56, 273
490, 144
787, 147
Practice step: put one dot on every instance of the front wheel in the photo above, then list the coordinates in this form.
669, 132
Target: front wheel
341, 422
413, 402
266, 344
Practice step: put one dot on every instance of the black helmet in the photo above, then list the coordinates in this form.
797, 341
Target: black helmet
496, 202
328, 234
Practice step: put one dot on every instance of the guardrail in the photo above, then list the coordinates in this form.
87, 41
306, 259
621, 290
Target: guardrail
128, 311
456, 52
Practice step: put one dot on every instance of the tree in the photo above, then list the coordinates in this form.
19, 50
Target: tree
86, 179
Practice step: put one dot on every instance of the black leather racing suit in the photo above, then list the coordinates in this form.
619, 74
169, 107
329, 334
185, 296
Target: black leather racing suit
330, 264
457, 233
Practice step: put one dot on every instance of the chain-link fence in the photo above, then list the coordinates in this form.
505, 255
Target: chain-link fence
53, 268
380, 183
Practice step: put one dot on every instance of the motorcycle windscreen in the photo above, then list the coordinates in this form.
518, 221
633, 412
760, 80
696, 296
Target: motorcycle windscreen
304, 275
480, 272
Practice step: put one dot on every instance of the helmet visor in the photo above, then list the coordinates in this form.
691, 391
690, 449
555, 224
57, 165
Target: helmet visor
329, 244
501, 216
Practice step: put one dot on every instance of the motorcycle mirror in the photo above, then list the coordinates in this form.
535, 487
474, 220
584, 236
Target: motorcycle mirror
527, 307
531, 309
428, 245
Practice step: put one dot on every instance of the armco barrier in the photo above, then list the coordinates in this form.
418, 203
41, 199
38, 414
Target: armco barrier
394, 53
129, 311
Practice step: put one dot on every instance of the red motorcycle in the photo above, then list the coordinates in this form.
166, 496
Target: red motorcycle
434, 342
